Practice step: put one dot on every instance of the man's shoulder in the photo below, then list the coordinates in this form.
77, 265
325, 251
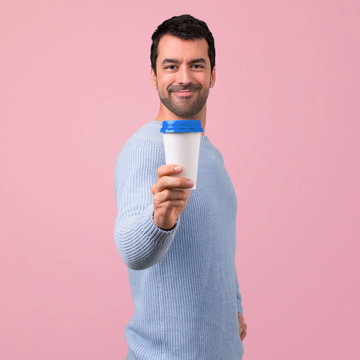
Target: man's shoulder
145, 144
143, 149
148, 134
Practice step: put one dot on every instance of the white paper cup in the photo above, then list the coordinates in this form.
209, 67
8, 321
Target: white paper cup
183, 147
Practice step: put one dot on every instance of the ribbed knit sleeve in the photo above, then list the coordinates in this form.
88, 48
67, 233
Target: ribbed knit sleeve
139, 241
238, 295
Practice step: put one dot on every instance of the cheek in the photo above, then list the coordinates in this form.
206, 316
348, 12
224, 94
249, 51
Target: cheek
163, 82
204, 80
167, 78
165, 85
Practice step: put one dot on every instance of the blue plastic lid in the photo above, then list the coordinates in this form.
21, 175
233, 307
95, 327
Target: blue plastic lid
180, 126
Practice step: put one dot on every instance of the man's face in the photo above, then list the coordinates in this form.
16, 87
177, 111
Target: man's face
183, 75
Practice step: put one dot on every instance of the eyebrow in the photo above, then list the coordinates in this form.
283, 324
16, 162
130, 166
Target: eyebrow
177, 61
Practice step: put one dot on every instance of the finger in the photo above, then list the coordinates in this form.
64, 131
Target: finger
168, 194
171, 182
243, 333
242, 336
170, 204
167, 170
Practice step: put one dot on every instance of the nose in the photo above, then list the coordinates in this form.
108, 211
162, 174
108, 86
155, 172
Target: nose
183, 75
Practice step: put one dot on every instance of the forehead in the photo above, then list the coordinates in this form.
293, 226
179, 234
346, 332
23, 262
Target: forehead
172, 47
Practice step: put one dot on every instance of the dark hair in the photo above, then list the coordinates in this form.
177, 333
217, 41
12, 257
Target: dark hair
185, 27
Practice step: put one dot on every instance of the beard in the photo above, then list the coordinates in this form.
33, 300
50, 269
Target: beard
185, 106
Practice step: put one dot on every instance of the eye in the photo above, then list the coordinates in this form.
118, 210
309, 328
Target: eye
170, 67
198, 66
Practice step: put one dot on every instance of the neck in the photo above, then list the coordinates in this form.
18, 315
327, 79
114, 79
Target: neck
165, 114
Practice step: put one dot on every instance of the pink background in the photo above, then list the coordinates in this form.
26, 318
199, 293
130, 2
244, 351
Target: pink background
75, 84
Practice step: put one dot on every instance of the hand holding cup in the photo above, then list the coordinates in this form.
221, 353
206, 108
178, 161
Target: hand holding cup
171, 194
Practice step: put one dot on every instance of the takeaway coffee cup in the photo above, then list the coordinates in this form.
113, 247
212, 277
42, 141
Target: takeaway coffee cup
182, 145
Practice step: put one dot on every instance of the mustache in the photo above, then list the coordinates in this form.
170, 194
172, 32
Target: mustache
189, 87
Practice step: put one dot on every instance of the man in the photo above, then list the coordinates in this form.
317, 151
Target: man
179, 245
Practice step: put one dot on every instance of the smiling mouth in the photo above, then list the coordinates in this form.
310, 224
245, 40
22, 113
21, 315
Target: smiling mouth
184, 93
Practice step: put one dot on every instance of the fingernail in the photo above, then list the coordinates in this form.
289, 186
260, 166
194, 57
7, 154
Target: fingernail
189, 183
177, 168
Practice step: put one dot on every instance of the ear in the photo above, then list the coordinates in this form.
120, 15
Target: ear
153, 77
213, 77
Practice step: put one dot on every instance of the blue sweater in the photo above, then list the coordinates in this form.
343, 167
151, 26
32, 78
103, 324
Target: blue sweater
183, 281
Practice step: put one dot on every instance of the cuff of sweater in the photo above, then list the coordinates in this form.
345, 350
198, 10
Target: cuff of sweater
240, 309
152, 231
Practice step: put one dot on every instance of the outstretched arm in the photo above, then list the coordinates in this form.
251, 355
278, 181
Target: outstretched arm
140, 242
